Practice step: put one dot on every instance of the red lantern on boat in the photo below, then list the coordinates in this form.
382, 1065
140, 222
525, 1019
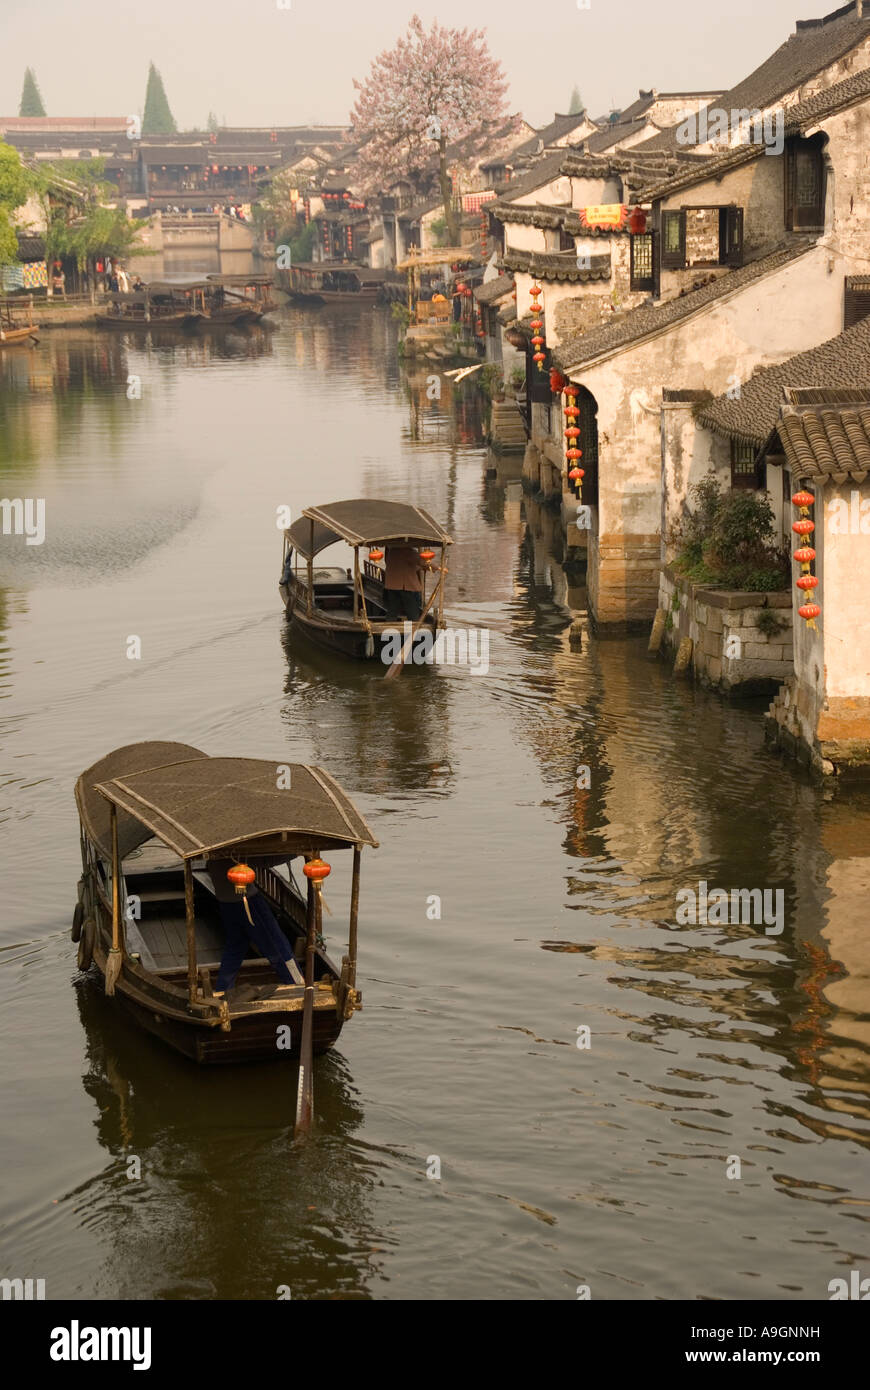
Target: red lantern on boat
376, 554
240, 875
427, 555
316, 870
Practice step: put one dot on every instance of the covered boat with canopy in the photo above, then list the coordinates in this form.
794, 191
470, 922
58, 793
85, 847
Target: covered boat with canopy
346, 609
155, 819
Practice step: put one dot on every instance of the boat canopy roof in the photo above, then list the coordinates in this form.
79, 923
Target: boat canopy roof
239, 279
363, 521
199, 805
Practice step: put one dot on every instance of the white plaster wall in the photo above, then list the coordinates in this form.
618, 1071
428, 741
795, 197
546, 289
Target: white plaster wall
786, 312
519, 237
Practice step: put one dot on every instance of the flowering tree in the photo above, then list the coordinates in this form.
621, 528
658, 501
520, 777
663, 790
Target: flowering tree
433, 89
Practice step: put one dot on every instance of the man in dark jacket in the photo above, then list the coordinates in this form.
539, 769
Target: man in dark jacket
257, 924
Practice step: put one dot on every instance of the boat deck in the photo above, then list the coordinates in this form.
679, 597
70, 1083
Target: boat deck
159, 936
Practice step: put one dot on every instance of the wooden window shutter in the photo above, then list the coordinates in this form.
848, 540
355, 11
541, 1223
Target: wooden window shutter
857, 304
673, 245
642, 265
730, 236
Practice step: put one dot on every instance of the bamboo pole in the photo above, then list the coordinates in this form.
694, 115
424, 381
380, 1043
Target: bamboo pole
357, 586
354, 915
113, 964
191, 931
305, 1089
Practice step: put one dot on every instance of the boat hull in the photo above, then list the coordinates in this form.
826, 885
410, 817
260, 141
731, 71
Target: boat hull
347, 638
13, 337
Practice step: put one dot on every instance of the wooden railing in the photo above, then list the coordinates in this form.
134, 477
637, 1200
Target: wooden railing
373, 572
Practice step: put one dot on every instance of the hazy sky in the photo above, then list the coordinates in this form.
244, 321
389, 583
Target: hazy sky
254, 63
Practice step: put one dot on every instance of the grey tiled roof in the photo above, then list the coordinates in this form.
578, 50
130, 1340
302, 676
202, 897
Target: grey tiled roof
827, 441
558, 128
492, 290
815, 45
798, 118
649, 320
841, 361
557, 265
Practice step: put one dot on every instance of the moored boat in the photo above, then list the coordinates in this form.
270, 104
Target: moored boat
157, 305
326, 282
344, 609
238, 298
156, 819
12, 330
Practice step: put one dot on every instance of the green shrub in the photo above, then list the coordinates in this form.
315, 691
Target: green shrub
728, 540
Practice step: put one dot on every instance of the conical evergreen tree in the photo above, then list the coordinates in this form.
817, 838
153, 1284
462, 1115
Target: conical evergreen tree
158, 119
576, 105
31, 97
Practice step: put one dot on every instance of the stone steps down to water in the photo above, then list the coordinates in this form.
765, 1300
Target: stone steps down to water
507, 433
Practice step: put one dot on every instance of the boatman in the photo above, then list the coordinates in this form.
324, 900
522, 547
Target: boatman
262, 929
403, 581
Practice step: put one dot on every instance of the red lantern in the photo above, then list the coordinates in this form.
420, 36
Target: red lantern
572, 411
535, 291
539, 357
460, 289
537, 341
557, 381
240, 875
572, 433
316, 870
803, 499
804, 527
806, 582
376, 555
427, 555
537, 324
637, 222
576, 473
805, 555
573, 453
809, 611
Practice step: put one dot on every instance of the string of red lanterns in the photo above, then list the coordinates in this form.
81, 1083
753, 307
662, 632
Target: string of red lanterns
573, 454
538, 355
805, 554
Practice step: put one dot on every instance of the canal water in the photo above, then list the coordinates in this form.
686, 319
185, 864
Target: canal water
712, 1050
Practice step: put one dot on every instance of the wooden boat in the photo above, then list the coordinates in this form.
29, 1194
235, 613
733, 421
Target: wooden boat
158, 305
153, 816
329, 282
238, 299
12, 330
345, 610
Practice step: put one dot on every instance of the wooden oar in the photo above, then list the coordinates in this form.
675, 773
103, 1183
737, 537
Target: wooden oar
305, 1091
400, 659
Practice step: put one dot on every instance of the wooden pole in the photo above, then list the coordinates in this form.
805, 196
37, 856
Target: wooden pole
311, 568
305, 1090
191, 931
356, 582
113, 964
399, 662
354, 915
440, 622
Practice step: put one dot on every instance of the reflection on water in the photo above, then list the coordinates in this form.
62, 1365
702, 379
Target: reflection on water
553, 809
